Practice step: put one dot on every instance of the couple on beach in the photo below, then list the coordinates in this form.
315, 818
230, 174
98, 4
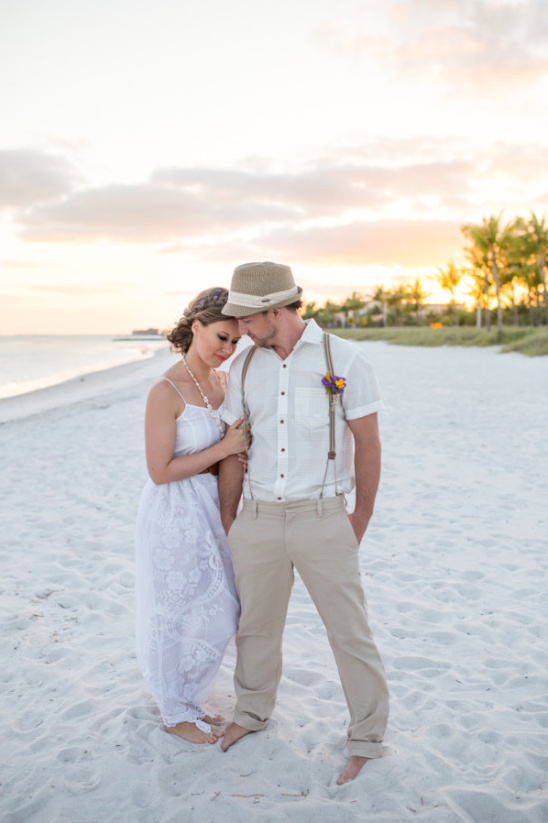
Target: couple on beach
293, 429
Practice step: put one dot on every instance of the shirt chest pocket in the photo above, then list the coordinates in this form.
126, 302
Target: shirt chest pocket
311, 407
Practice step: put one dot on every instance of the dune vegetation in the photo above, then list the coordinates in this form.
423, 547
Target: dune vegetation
533, 342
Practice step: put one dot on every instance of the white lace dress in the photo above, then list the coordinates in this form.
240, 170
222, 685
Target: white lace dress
187, 607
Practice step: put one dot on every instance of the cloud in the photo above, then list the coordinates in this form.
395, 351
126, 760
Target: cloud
493, 46
526, 164
385, 242
157, 211
186, 204
323, 190
396, 203
30, 177
305, 190
469, 44
360, 243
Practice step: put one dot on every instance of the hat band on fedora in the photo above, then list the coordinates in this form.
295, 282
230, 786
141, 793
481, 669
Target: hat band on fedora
253, 301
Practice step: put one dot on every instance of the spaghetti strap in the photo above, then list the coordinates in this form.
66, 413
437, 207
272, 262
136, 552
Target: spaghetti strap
175, 387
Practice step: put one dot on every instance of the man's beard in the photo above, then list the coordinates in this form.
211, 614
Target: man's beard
266, 342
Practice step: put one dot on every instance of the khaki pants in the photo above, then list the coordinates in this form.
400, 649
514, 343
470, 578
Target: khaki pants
269, 539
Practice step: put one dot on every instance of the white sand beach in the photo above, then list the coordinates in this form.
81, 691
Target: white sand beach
454, 565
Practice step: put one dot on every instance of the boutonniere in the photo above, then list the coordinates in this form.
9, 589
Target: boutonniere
333, 385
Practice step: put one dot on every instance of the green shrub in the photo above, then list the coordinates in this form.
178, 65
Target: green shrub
533, 342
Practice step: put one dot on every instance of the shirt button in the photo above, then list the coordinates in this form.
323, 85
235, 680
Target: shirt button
281, 421
279, 498
282, 475
284, 366
283, 450
282, 392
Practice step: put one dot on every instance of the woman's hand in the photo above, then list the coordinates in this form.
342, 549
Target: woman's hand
243, 457
234, 439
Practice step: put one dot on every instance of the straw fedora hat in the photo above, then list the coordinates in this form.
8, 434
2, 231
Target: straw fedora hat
258, 287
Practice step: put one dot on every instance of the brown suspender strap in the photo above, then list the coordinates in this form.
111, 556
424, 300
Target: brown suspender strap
245, 409
331, 454
332, 397
247, 361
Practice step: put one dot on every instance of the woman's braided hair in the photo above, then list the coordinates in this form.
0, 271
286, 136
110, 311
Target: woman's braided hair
206, 308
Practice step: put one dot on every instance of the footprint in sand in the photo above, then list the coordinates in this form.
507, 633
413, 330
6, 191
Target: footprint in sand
478, 805
304, 677
443, 638
79, 772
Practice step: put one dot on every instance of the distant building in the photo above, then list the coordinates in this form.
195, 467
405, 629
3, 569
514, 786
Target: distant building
441, 308
145, 332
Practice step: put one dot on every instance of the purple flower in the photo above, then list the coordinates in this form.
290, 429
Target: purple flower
333, 384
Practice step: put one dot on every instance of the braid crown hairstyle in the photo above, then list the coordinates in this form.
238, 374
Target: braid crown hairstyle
206, 308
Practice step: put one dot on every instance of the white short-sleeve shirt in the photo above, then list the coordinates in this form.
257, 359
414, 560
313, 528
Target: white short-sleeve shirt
289, 416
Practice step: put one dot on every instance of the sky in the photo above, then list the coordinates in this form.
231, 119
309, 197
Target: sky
147, 147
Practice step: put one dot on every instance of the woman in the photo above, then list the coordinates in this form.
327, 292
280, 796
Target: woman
187, 607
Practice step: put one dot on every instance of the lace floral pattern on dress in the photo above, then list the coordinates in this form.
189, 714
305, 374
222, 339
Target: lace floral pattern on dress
187, 608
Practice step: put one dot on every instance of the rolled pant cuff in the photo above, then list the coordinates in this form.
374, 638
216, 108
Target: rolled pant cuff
249, 723
357, 748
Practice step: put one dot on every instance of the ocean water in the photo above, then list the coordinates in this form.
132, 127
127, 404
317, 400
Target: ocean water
35, 362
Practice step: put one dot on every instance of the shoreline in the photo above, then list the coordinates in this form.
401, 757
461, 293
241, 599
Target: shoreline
97, 385
30, 362
85, 387
94, 385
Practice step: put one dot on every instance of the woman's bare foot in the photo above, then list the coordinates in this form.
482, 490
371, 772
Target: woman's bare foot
232, 735
191, 733
215, 720
353, 769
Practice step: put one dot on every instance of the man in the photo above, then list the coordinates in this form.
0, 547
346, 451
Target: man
294, 512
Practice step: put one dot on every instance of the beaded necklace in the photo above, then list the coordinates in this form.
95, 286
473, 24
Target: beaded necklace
208, 405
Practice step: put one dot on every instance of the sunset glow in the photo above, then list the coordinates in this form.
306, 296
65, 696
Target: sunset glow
148, 148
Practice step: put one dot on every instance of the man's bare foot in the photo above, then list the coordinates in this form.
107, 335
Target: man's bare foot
353, 769
191, 733
232, 735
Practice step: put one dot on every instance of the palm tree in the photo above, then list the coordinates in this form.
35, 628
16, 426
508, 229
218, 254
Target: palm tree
416, 296
352, 304
508, 287
519, 270
310, 311
381, 295
491, 242
477, 292
537, 242
533, 296
449, 279
480, 273
326, 313
396, 300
